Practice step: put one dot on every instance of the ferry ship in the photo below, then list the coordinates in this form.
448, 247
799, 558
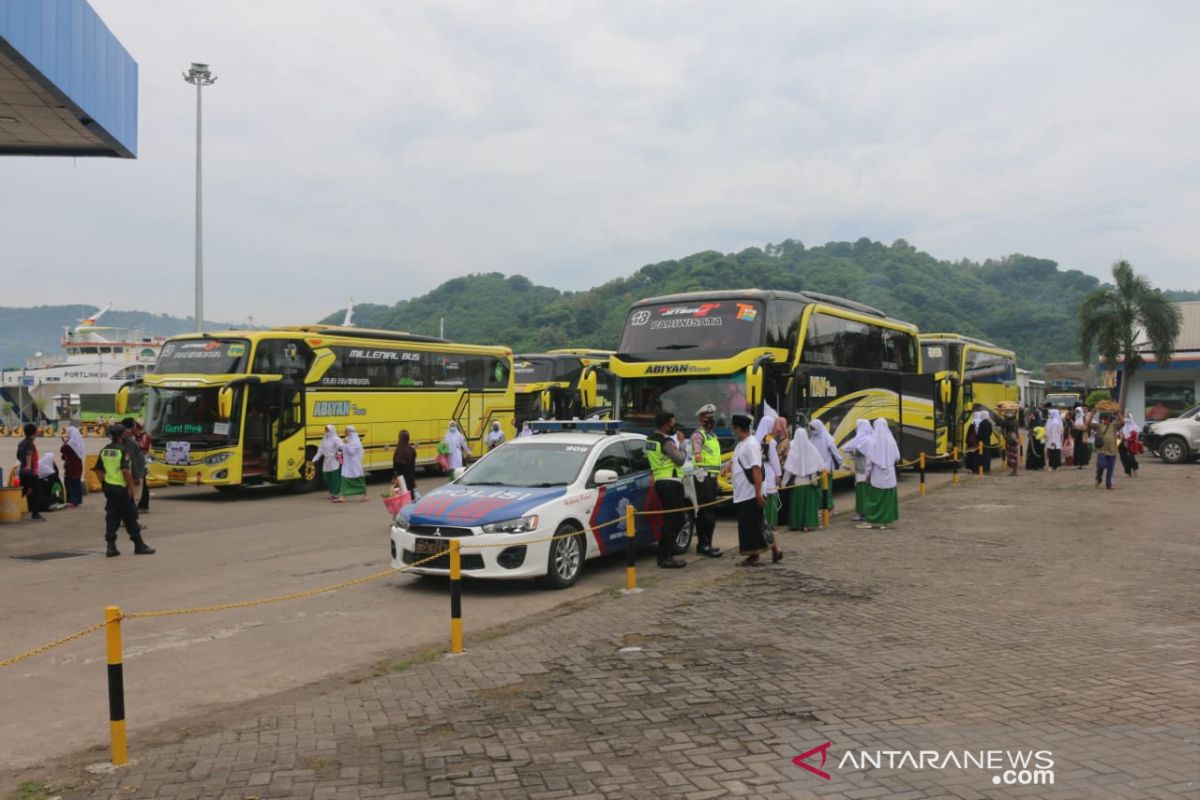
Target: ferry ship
95, 362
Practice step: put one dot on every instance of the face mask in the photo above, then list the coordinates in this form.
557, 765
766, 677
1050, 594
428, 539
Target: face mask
709, 423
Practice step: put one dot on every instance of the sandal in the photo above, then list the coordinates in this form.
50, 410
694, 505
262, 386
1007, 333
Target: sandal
776, 557
750, 563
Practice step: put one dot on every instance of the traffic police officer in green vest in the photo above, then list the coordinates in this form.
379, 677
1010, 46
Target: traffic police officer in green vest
121, 505
666, 464
706, 455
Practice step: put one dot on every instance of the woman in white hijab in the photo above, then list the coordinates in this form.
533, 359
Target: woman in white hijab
456, 446
858, 452
495, 437
73, 453
831, 458
526, 430
330, 452
1054, 438
881, 501
802, 471
1130, 446
354, 480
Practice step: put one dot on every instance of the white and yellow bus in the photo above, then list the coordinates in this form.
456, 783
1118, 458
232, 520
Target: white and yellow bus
969, 372
551, 385
803, 353
239, 408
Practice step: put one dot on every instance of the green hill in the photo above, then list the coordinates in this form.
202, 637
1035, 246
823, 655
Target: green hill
25, 331
1018, 301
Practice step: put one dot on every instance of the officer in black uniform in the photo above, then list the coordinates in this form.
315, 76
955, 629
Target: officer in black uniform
120, 504
666, 464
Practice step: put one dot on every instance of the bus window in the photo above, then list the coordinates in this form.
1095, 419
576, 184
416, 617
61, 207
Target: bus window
983, 367
899, 351
497, 375
446, 369
934, 358
783, 322
843, 342
282, 357
711, 328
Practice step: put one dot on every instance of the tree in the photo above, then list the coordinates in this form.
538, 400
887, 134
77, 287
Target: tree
1117, 321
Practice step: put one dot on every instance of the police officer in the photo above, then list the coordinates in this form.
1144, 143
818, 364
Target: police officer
120, 505
706, 454
666, 464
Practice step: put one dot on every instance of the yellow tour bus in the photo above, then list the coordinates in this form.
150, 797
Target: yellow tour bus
968, 373
551, 385
804, 354
240, 408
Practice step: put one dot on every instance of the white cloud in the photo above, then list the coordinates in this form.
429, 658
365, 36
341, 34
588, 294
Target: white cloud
375, 149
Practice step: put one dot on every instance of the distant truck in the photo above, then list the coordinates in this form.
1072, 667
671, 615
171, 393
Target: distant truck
1064, 399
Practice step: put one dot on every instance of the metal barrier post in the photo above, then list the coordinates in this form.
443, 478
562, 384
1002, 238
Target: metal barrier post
824, 498
630, 549
954, 479
921, 459
116, 686
456, 644
981, 459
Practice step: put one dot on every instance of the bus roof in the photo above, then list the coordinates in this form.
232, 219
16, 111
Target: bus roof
958, 337
339, 331
769, 294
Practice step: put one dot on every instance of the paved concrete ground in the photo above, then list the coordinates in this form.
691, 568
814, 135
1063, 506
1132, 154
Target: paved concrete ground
1009, 614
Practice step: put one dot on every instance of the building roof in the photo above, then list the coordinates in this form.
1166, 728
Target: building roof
67, 86
1189, 331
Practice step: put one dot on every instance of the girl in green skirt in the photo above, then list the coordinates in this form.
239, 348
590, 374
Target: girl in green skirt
881, 501
801, 470
331, 461
354, 480
858, 451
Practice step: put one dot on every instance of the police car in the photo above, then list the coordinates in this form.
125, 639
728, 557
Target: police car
503, 509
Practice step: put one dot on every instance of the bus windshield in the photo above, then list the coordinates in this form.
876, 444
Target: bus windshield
188, 415
934, 358
203, 356
699, 329
544, 370
643, 398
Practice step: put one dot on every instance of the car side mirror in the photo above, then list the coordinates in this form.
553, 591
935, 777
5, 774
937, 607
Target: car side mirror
604, 476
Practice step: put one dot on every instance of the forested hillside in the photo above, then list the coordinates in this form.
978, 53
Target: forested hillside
1018, 301
25, 331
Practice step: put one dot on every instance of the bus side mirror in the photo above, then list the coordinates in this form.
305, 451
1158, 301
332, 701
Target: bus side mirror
946, 391
121, 401
587, 386
322, 360
225, 402
968, 388
754, 385
546, 401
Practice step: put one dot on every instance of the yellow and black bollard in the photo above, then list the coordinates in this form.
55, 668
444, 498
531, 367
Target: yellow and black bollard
116, 686
825, 493
921, 460
456, 639
981, 459
630, 550
954, 478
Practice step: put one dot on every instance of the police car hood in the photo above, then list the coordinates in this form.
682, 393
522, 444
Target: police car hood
468, 506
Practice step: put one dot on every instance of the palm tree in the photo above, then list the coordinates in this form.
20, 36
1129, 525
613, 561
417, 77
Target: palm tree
1119, 321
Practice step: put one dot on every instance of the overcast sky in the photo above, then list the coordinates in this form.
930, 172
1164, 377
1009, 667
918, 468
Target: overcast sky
376, 149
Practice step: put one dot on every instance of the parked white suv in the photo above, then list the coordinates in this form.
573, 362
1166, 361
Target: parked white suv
1175, 441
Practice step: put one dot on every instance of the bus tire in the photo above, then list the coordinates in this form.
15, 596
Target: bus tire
566, 555
310, 474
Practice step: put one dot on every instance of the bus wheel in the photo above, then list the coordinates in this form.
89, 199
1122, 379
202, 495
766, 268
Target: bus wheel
310, 476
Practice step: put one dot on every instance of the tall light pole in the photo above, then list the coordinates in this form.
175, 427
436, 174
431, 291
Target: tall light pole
199, 76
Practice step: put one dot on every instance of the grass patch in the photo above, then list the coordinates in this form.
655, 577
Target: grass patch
423, 657
30, 790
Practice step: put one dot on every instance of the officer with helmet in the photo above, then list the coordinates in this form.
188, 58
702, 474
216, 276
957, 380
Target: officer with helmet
120, 505
666, 464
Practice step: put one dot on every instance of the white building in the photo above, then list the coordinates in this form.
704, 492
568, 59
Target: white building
1159, 393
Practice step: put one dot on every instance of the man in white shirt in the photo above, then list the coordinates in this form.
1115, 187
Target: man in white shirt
748, 500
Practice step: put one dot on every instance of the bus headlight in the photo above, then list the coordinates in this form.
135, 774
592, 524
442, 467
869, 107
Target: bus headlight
219, 458
518, 525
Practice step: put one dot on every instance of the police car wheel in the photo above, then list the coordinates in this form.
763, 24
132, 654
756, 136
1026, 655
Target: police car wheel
565, 561
683, 539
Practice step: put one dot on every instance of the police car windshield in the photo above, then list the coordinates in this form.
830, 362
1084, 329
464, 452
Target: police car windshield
700, 329
528, 464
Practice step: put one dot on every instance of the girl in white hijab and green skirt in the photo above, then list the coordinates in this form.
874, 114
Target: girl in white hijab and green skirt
802, 470
354, 481
330, 452
858, 451
881, 501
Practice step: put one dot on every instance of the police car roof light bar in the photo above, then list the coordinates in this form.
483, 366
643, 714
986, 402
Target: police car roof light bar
577, 425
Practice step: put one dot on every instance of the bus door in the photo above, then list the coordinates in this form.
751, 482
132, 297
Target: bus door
287, 433
919, 397
257, 445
